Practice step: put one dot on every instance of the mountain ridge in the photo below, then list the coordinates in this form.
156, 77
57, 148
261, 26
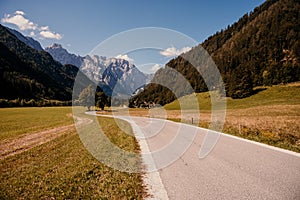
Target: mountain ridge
31, 73
110, 71
26, 73
27, 40
62, 55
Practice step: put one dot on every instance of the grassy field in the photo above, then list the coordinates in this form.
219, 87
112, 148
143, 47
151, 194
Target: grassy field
62, 168
265, 96
18, 121
271, 116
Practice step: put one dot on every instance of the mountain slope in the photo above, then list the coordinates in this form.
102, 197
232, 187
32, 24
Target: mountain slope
266, 42
262, 48
63, 56
26, 73
27, 40
119, 75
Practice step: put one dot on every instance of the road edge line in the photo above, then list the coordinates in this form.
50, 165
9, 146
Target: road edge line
152, 180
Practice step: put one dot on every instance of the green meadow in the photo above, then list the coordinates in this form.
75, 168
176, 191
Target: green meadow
62, 168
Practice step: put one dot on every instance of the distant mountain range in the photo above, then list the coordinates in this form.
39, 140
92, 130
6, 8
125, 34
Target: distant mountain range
262, 48
63, 56
29, 72
121, 77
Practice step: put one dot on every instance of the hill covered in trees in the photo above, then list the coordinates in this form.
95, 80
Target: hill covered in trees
262, 48
26, 73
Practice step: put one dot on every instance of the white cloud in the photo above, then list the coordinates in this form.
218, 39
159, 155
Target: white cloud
19, 12
20, 21
44, 28
50, 35
172, 51
23, 23
125, 57
155, 67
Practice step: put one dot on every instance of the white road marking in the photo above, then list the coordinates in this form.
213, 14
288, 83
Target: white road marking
152, 180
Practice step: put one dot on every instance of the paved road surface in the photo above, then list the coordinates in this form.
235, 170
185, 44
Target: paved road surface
235, 169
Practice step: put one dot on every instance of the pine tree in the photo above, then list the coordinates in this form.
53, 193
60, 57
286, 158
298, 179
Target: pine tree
241, 85
101, 100
87, 97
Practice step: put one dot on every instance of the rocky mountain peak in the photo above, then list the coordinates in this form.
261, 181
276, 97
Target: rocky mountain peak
55, 46
63, 56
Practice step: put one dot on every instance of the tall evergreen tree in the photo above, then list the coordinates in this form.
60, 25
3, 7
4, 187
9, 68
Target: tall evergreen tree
87, 97
241, 84
101, 100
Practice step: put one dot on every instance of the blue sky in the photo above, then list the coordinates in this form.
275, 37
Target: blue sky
81, 25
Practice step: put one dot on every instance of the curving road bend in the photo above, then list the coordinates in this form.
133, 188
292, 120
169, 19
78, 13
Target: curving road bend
235, 169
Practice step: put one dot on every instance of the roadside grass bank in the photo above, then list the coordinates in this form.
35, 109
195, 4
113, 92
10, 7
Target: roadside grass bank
277, 125
270, 116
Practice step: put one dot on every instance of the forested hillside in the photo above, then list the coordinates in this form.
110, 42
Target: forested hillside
262, 48
26, 73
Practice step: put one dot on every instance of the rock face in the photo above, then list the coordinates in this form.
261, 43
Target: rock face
117, 76
63, 56
121, 76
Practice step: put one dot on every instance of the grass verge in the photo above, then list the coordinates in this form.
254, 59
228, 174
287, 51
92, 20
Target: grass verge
270, 116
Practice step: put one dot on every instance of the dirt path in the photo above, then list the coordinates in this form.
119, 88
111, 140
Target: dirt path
29, 141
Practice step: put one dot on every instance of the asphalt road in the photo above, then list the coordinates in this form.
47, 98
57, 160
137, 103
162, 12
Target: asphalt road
234, 169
